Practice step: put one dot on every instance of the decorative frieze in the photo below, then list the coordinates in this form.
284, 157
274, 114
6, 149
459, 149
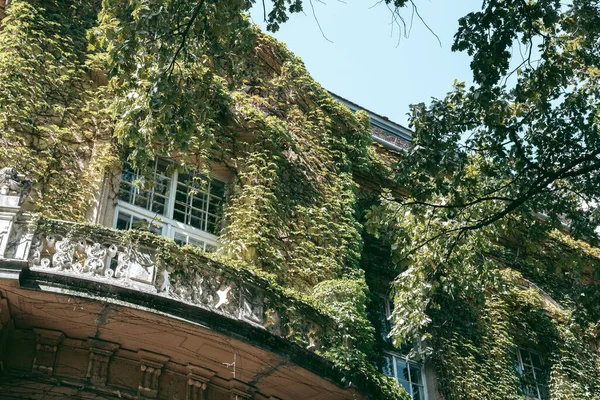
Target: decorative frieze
46, 348
151, 366
198, 379
99, 359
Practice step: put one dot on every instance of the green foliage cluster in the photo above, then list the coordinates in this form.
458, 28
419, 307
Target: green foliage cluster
516, 152
474, 336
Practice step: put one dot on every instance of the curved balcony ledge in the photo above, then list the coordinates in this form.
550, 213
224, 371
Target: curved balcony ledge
143, 265
151, 273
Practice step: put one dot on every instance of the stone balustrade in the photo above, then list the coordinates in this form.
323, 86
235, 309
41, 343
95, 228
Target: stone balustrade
154, 265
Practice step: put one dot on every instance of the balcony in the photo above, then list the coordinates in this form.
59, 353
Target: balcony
132, 298
148, 265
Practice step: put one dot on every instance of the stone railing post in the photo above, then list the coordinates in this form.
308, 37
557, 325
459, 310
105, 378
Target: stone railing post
13, 188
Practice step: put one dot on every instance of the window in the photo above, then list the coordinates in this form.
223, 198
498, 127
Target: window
175, 204
385, 307
408, 373
529, 367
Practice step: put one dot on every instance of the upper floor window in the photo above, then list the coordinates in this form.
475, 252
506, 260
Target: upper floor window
174, 204
530, 368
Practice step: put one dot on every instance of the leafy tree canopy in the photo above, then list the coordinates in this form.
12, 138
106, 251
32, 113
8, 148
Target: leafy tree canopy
517, 151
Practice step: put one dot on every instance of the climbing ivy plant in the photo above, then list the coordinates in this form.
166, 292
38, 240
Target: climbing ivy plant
51, 119
512, 155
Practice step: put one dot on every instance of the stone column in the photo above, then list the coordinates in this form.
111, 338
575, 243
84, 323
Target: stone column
13, 188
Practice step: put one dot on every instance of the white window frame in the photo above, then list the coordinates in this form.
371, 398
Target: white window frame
415, 364
521, 370
170, 226
387, 305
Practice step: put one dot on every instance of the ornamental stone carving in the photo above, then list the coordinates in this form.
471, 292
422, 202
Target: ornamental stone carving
102, 256
13, 188
151, 366
13, 184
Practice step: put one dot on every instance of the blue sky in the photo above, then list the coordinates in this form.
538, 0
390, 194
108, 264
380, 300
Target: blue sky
366, 64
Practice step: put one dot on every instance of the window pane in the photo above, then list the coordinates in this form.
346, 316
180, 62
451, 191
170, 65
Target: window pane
153, 191
123, 221
141, 198
402, 370
158, 204
143, 224
418, 392
197, 222
217, 188
382, 316
154, 228
198, 201
525, 357
415, 374
126, 191
179, 239
406, 386
179, 214
211, 225
537, 363
162, 167
214, 207
387, 367
196, 242
191, 202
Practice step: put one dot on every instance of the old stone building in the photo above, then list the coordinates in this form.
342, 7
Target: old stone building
86, 314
